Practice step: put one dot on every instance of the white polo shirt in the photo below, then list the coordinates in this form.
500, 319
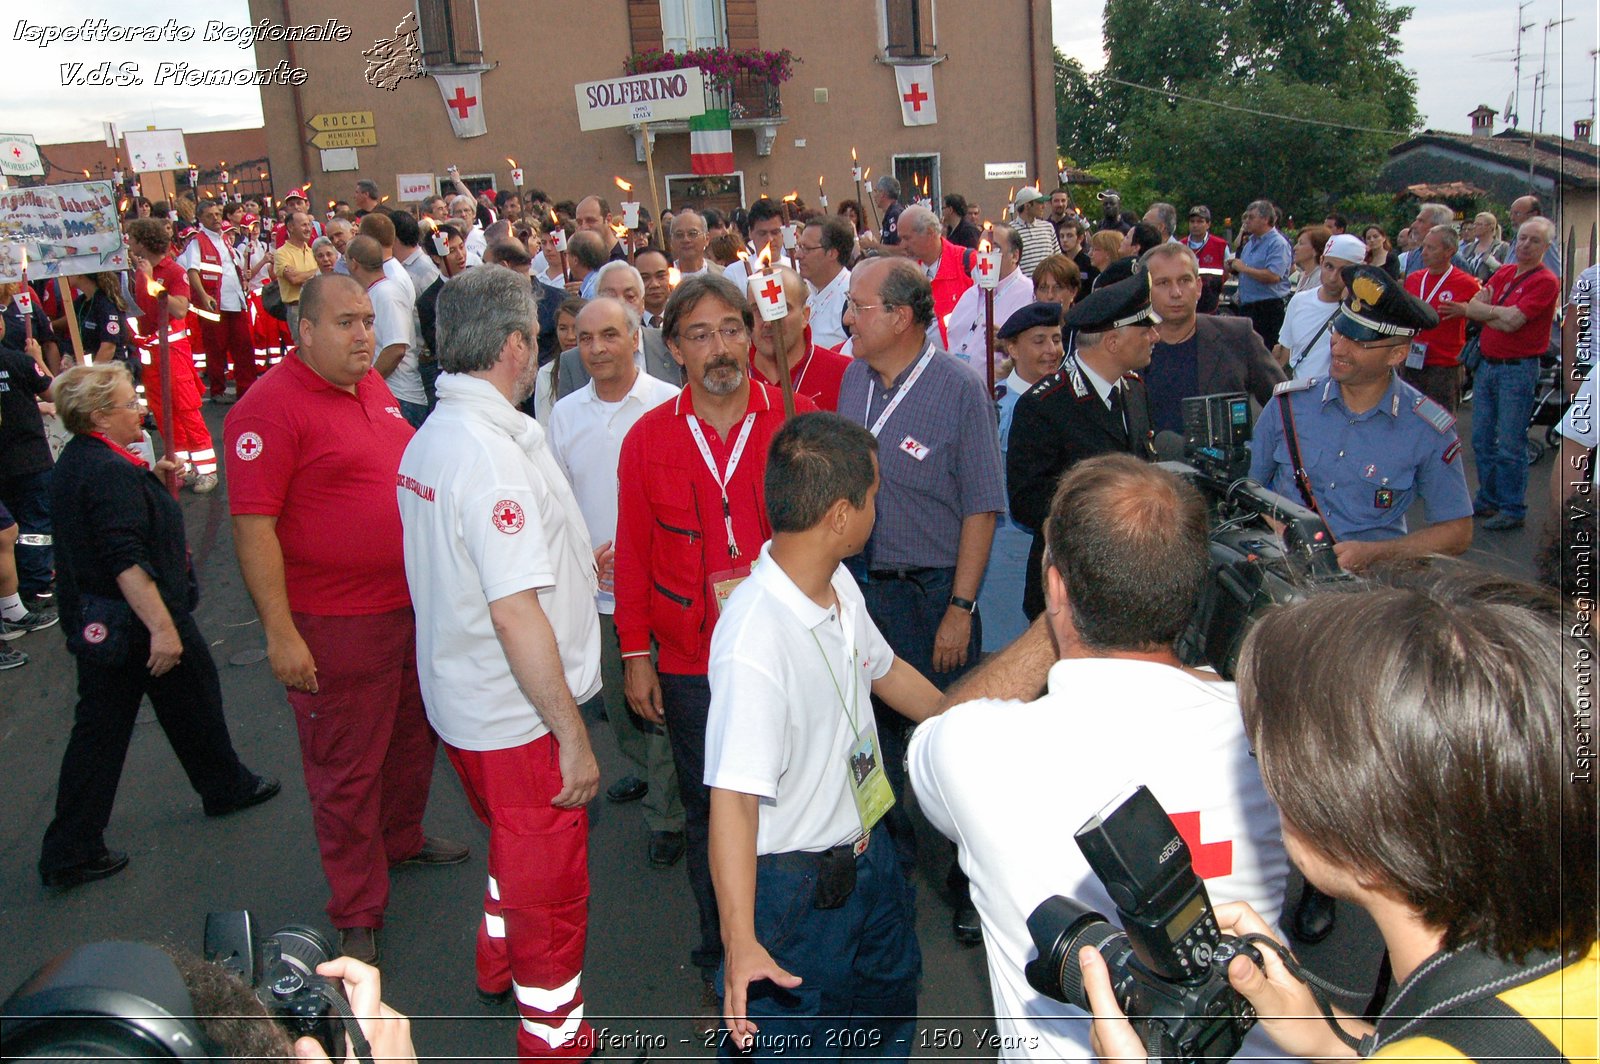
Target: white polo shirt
586, 438
395, 322
827, 310
486, 513
778, 727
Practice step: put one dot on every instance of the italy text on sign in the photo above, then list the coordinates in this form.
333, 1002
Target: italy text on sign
412, 187
1005, 171
346, 138
658, 97
67, 230
324, 123
19, 156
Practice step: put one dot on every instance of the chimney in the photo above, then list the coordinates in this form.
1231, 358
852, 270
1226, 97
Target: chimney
1582, 130
1483, 120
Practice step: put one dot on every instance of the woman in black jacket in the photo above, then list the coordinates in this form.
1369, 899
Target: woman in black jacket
126, 589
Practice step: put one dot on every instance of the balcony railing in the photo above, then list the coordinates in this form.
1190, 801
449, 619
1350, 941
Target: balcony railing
748, 96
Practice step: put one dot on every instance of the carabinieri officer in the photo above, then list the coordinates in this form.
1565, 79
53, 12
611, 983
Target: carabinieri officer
1369, 444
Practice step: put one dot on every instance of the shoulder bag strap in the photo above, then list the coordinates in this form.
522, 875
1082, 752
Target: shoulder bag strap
1301, 479
1490, 1030
1306, 350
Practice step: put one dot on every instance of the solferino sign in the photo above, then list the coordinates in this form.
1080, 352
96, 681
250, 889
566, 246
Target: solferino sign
658, 97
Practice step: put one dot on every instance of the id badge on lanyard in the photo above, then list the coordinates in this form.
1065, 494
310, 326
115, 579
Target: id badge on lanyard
869, 785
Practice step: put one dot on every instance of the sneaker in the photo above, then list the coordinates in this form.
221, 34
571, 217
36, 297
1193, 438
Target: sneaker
32, 621
12, 659
204, 484
1502, 522
35, 600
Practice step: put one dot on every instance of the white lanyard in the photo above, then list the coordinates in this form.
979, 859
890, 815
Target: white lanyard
722, 479
1428, 299
905, 390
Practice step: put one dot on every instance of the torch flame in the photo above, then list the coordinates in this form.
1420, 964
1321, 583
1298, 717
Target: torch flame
866, 174
619, 229
673, 276
626, 186
766, 256
152, 288
512, 161
853, 155
553, 219
983, 246
385, 199
792, 197
24, 262
86, 173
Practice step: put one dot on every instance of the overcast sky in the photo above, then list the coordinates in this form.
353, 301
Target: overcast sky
1459, 49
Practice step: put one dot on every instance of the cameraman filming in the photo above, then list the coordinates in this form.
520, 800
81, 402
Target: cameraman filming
1467, 830
1126, 558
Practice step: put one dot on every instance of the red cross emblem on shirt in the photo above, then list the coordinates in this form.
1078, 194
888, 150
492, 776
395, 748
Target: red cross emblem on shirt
984, 265
248, 446
1211, 859
915, 96
507, 517
772, 291
462, 102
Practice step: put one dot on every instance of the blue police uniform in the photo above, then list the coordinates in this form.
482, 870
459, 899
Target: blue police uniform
1365, 469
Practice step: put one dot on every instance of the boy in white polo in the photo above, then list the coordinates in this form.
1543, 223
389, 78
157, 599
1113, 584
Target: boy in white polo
795, 772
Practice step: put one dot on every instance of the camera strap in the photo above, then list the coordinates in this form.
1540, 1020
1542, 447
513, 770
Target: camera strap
1302, 480
359, 1046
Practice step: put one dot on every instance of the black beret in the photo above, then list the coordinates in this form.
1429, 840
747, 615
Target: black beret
1030, 317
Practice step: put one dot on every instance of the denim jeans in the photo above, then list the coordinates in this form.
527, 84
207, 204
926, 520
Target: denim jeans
1502, 404
28, 498
415, 413
860, 963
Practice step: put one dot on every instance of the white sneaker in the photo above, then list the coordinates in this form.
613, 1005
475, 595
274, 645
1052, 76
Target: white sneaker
205, 483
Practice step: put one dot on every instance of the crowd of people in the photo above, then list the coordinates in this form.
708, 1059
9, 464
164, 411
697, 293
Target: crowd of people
595, 479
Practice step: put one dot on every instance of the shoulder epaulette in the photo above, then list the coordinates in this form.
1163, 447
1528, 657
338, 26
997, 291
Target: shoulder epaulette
1046, 385
1441, 419
1294, 384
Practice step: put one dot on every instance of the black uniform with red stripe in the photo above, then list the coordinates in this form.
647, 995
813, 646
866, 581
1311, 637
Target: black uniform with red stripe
1057, 423
100, 322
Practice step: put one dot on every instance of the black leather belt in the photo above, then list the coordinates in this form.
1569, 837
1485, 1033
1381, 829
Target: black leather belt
904, 574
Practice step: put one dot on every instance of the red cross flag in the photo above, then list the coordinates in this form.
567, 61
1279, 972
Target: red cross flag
463, 102
914, 85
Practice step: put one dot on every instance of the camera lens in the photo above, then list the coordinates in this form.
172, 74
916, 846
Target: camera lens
1095, 934
1060, 927
304, 947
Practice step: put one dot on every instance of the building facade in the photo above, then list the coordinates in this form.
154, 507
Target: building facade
991, 71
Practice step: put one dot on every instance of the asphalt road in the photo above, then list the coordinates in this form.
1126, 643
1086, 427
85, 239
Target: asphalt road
638, 985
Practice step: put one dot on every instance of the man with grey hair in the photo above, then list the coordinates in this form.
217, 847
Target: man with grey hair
366, 198
886, 197
689, 239
1429, 216
1164, 216
465, 210
620, 281
948, 265
1433, 364
508, 643
339, 232
586, 433
1262, 266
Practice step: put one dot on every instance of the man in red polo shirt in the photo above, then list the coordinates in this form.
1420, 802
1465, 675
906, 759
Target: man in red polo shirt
1433, 365
814, 372
1515, 308
691, 517
312, 454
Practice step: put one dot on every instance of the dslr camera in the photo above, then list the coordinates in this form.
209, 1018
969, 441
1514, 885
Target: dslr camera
1168, 962
281, 968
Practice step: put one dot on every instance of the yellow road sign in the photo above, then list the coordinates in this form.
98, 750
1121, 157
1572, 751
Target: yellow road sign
325, 123
346, 138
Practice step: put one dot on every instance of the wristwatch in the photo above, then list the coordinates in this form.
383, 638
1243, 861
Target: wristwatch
963, 604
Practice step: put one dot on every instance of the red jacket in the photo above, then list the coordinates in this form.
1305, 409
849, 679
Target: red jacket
671, 538
953, 277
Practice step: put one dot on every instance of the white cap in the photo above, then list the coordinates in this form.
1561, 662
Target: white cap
1346, 247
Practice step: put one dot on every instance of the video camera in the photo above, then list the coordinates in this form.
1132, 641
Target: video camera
1252, 565
1168, 962
128, 1000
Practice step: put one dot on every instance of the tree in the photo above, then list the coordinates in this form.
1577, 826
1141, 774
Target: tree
1084, 132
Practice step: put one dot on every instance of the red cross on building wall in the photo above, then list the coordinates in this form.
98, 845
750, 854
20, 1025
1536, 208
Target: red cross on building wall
461, 102
915, 96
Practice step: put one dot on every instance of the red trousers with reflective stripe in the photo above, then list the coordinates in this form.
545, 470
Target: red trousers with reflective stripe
367, 750
539, 867
190, 435
229, 341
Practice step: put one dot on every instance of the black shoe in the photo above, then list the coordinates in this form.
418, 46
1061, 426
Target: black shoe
966, 926
31, 621
360, 943
436, 851
105, 866
39, 600
666, 848
494, 997
1313, 916
1502, 522
264, 788
1483, 509
627, 789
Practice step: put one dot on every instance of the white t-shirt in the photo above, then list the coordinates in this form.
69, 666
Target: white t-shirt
396, 272
1306, 314
1011, 781
486, 514
394, 322
827, 310
586, 437
232, 294
778, 727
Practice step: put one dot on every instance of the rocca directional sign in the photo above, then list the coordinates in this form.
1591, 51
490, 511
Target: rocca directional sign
346, 138
325, 123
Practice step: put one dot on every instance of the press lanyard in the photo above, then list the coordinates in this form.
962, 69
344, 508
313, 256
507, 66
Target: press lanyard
1428, 299
722, 479
855, 688
905, 390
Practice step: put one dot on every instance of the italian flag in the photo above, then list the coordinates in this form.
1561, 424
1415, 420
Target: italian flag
711, 143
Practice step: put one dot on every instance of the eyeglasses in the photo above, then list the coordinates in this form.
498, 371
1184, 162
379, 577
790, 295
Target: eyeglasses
808, 248
856, 308
731, 334
132, 404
